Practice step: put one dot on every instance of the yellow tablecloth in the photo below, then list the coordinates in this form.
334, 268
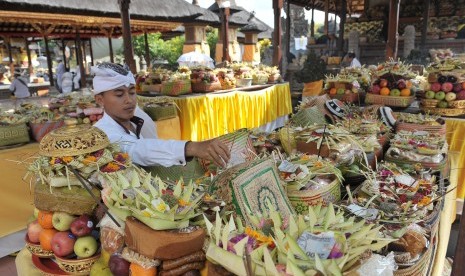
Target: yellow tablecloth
16, 200
211, 115
456, 140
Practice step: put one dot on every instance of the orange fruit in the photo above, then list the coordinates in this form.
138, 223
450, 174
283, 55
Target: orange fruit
408, 84
45, 238
463, 85
332, 91
405, 92
45, 219
384, 91
137, 270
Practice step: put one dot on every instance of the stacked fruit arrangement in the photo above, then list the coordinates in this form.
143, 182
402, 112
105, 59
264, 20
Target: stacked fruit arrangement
344, 87
226, 78
446, 91
394, 88
204, 79
151, 81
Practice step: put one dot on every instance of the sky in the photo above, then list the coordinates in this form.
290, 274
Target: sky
263, 10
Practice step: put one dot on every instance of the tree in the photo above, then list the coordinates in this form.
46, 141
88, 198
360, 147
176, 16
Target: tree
169, 50
212, 39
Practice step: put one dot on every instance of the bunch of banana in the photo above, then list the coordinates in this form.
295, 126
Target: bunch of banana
354, 239
158, 204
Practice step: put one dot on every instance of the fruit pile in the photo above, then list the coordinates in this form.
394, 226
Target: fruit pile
396, 88
204, 75
445, 91
147, 81
66, 235
342, 87
226, 78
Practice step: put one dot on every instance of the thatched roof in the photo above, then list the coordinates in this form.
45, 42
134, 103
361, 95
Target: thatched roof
353, 6
160, 10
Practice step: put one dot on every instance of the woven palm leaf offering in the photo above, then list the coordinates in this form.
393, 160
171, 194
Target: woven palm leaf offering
408, 148
420, 122
82, 148
266, 142
325, 240
13, 129
310, 180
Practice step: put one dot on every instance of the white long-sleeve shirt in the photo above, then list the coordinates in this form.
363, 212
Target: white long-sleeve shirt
144, 151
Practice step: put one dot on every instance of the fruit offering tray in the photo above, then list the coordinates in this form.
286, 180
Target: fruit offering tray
393, 101
447, 112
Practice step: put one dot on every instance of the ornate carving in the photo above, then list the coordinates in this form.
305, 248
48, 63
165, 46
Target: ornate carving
77, 266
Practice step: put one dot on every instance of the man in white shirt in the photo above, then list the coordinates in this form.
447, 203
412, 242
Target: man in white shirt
352, 60
114, 90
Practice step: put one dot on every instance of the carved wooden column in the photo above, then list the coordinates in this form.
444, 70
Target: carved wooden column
80, 59
28, 53
63, 47
393, 35
147, 49
126, 27
277, 51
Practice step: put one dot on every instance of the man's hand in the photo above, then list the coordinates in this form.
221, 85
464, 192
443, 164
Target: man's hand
213, 150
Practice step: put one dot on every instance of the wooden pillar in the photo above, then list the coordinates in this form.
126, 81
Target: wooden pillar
288, 31
110, 47
393, 35
458, 267
277, 53
147, 50
91, 52
312, 24
126, 27
326, 28
63, 47
79, 59
28, 52
225, 12
8, 45
49, 61
84, 54
424, 28
340, 41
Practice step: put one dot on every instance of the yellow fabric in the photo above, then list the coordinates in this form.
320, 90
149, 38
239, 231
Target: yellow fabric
169, 129
251, 53
456, 140
16, 200
211, 115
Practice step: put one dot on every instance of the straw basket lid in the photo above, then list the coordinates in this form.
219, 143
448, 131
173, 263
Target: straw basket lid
336, 107
387, 116
72, 141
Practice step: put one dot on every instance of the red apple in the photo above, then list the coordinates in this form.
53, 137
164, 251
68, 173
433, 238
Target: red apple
457, 87
63, 243
118, 265
447, 87
383, 83
33, 231
82, 226
93, 117
436, 87
461, 95
401, 84
375, 89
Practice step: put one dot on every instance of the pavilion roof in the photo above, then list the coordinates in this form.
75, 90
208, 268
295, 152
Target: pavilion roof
353, 6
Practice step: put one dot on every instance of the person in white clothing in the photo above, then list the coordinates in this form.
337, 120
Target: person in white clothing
352, 60
114, 90
19, 87
61, 69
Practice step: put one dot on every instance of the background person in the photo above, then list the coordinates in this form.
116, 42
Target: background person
114, 90
19, 88
351, 60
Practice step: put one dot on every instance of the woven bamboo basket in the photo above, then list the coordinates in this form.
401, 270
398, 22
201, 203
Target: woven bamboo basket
421, 267
202, 87
440, 129
348, 98
191, 171
13, 134
150, 87
389, 100
77, 266
158, 112
429, 102
244, 82
434, 166
37, 250
448, 112
302, 199
259, 80
457, 104
176, 88
39, 130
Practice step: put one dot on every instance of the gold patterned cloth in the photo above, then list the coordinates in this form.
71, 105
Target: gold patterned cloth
211, 115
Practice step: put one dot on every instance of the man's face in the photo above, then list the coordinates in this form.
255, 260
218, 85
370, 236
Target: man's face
119, 103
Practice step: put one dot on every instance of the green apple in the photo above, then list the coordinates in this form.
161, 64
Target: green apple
443, 104
62, 221
340, 91
440, 95
430, 94
450, 96
395, 92
99, 268
85, 247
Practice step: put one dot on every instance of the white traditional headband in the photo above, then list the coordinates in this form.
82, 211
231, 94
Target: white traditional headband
109, 76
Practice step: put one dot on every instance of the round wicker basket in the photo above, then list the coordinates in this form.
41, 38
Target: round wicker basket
389, 100
429, 102
77, 266
449, 112
457, 104
72, 141
37, 250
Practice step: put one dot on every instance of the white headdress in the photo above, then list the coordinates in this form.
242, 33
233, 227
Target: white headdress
109, 76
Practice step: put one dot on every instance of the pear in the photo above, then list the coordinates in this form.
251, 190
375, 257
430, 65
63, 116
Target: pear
99, 268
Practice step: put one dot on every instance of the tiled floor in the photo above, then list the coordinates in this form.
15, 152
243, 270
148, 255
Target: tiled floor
7, 266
